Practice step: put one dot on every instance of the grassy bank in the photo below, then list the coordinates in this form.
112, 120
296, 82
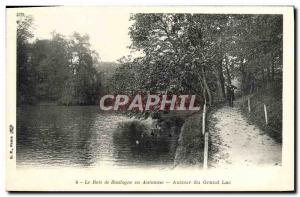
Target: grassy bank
190, 146
179, 137
273, 101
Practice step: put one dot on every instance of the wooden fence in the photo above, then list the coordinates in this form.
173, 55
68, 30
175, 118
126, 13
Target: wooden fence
265, 110
205, 134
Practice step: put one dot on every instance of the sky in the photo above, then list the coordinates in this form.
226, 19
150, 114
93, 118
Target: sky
107, 28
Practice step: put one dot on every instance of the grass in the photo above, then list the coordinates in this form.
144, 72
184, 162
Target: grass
190, 143
273, 101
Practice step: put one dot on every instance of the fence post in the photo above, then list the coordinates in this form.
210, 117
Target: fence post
249, 107
266, 113
205, 137
205, 150
203, 118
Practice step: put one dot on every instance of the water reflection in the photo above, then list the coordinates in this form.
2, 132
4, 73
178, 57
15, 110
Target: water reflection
141, 146
55, 135
83, 136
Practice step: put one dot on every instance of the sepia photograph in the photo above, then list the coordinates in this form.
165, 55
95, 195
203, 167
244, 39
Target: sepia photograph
131, 99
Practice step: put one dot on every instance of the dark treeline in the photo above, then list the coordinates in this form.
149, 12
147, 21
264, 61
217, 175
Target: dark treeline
59, 70
201, 54
204, 54
183, 53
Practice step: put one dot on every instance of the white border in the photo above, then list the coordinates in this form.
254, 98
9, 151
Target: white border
93, 2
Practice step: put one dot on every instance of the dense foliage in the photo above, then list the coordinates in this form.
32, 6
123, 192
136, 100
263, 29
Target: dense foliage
58, 70
201, 53
182, 53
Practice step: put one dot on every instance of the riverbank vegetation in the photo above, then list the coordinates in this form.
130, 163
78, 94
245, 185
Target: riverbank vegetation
60, 70
181, 54
146, 143
190, 143
272, 98
190, 54
202, 54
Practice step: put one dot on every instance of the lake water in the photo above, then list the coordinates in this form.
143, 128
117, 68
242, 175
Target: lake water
83, 136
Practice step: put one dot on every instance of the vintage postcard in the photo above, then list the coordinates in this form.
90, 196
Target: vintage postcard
166, 98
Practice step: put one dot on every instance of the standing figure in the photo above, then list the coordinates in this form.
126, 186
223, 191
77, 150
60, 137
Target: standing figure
252, 86
230, 94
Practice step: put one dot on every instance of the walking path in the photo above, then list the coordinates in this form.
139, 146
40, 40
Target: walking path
238, 143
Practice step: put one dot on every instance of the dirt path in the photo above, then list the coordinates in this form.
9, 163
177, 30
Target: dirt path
238, 143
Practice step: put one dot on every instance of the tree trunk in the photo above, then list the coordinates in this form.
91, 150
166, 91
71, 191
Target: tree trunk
244, 82
227, 71
206, 87
203, 89
221, 81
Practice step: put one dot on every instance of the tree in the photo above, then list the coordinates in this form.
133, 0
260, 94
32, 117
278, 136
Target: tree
83, 84
50, 59
59, 70
200, 53
26, 75
176, 44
